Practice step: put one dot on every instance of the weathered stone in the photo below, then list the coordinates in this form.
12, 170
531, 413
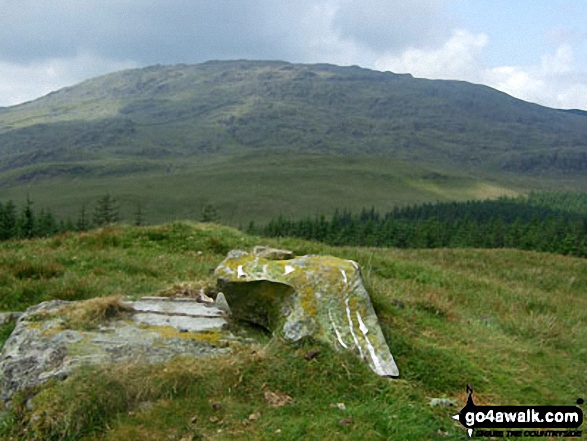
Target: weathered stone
222, 304
319, 296
272, 253
41, 348
183, 323
165, 305
7, 317
203, 298
435, 402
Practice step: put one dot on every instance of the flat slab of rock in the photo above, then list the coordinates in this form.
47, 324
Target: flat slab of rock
182, 314
41, 347
319, 296
182, 323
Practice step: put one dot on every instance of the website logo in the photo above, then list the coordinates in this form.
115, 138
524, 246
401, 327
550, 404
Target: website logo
553, 421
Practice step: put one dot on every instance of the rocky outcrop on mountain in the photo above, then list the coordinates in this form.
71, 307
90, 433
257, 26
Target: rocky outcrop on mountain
319, 296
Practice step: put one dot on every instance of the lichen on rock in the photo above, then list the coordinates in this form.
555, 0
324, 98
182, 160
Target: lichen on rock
54, 338
319, 296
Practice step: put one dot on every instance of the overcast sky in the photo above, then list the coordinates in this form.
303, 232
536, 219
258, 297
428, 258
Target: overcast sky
533, 49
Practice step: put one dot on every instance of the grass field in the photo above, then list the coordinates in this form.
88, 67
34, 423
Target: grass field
255, 187
512, 324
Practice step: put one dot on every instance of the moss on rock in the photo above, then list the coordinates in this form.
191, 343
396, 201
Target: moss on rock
318, 296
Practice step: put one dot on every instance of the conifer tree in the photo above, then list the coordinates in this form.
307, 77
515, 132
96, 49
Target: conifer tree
209, 213
69, 225
8, 221
139, 216
27, 220
106, 211
45, 225
251, 228
83, 223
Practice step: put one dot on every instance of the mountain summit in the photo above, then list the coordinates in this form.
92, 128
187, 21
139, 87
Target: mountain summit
172, 111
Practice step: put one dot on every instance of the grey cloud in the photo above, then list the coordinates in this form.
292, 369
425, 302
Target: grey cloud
48, 44
147, 31
393, 25
156, 31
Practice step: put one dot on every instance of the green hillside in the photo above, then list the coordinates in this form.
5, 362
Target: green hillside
317, 136
254, 187
513, 324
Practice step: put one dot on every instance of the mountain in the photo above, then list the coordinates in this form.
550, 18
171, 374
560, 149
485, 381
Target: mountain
283, 131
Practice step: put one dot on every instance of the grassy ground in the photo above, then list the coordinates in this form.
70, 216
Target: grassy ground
512, 324
254, 187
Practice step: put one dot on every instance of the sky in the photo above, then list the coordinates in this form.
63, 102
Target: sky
535, 50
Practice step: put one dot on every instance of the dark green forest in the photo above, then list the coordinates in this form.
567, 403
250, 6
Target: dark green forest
553, 222
27, 223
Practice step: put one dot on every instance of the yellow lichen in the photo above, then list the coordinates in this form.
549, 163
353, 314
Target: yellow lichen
209, 336
50, 332
307, 300
82, 347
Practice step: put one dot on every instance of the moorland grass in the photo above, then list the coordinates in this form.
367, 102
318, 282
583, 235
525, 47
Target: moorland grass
512, 324
252, 187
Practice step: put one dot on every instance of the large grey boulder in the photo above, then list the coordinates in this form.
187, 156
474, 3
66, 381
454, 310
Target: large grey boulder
44, 346
319, 296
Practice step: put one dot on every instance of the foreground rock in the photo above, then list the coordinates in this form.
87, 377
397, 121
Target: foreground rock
319, 296
44, 345
272, 253
9, 317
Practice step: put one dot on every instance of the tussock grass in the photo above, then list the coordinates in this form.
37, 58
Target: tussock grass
93, 397
190, 289
89, 314
258, 187
513, 324
215, 399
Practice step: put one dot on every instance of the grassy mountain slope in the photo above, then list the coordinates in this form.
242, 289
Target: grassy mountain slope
144, 124
245, 188
511, 323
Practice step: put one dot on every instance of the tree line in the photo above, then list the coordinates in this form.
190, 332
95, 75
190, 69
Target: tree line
519, 223
27, 222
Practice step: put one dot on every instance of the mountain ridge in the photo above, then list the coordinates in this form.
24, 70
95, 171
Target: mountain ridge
388, 112
164, 118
